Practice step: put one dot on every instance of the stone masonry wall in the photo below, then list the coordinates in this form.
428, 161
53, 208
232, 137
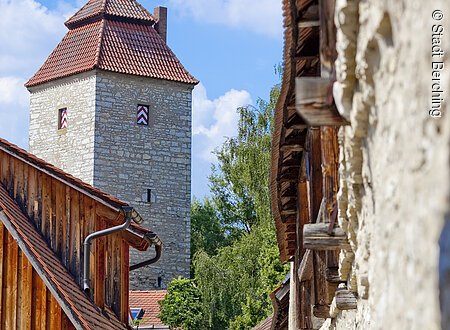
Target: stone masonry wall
395, 170
105, 147
70, 149
131, 158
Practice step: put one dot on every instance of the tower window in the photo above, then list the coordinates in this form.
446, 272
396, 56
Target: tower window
142, 114
149, 196
62, 118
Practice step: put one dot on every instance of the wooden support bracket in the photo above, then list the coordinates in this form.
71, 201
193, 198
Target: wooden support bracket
345, 299
314, 102
316, 237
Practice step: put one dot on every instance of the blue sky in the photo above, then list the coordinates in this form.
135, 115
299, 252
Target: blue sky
231, 46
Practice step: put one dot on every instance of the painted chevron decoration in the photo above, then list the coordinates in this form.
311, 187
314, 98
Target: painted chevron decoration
63, 122
142, 114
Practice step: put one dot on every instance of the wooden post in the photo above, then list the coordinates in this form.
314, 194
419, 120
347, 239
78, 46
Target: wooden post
316, 237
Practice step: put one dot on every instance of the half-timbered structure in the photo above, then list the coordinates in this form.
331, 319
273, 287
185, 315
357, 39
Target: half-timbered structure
45, 217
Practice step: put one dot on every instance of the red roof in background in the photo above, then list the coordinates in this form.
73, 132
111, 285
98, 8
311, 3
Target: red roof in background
148, 301
116, 36
119, 8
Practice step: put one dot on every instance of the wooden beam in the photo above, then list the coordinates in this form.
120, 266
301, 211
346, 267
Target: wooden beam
345, 299
314, 102
291, 147
288, 212
321, 311
321, 115
316, 237
308, 24
305, 269
332, 274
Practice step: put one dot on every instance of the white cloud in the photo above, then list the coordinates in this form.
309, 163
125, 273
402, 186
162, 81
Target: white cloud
261, 16
28, 32
215, 120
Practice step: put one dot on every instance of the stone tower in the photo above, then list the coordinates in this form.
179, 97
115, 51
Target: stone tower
112, 106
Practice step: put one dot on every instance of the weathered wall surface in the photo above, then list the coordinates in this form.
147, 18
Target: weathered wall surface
70, 149
131, 158
395, 167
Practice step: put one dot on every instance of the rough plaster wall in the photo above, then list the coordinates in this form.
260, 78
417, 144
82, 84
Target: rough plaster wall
70, 149
394, 166
130, 158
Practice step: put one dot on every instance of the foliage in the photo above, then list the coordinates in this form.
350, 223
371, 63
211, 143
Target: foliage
207, 232
235, 254
182, 306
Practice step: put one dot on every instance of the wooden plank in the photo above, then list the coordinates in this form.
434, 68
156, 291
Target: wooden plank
89, 209
328, 52
305, 269
18, 315
124, 280
305, 317
291, 147
60, 199
320, 284
116, 244
345, 299
37, 301
43, 293
52, 219
46, 207
11, 285
38, 203
321, 115
26, 294
55, 314
308, 24
99, 289
31, 192
317, 237
314, 173
81, 221
66, 229
75, 234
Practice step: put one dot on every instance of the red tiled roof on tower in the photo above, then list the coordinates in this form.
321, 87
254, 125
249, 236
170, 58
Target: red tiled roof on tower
119, 8
112, 35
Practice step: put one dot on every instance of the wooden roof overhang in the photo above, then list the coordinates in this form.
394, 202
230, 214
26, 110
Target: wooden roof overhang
110, 207
301, 58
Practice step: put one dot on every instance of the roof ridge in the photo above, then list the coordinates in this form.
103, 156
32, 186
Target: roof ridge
100, 42
122, 10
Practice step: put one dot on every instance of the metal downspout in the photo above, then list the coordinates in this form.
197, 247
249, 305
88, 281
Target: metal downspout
154, 239
128, 210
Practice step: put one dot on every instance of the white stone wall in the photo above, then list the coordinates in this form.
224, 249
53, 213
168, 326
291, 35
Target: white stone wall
70, 149
130, 158
395, 166
105, 147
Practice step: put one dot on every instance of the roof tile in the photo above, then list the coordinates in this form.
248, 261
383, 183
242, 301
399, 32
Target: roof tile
148, 301
119, 41
61, 282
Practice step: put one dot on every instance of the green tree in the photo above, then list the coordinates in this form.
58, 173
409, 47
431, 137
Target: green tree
182, 306
235, 283
207, 232
235, 253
